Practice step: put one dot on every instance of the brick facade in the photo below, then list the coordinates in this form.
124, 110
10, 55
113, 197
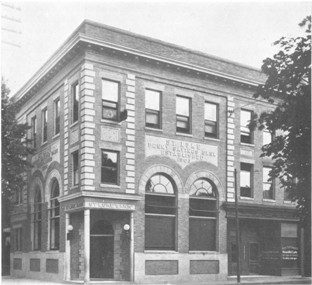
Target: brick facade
135, 63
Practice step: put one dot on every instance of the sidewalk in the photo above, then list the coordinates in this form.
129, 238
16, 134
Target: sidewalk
246, 280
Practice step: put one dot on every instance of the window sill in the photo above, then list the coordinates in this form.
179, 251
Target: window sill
154, 129
251, 145
44, 144
110, 186
269, 200
184, 135
114, 123
74, 124
246, 198
160, 251
202, 252
56, 136
212, 139
75, 187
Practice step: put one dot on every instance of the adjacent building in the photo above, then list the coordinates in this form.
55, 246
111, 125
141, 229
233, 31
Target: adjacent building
136, 145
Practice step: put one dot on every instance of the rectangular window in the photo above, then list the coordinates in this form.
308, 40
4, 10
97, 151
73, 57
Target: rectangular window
268, 187
246, 180
110, 97
34, 131
75, 102
211, 120
183, 105
110, 167
18, 239
152, 109
44, 125
267, 137
57, 116
75, 163
37, 225
55, 224
17, 197
245, 133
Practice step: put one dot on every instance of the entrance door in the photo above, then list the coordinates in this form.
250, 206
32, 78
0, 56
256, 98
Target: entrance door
102, 250
250, 248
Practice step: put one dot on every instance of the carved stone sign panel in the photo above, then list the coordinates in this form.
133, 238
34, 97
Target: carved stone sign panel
110, 134
182, 152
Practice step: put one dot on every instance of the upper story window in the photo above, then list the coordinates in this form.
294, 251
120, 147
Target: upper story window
267, 137
211, 120
18, 239
152, 109
37, 219
44, 125
34, 131
160, 213
110, 97
57, 116
246, 180
75, 163
183, 106
17, 197
55, 216
268, 185
245, 133
75, 102
202, 215
110, 167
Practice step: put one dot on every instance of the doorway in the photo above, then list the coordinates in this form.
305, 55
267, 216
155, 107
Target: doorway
102, 250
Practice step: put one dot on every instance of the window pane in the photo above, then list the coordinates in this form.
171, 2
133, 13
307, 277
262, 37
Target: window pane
245, 118
152, 119
109, 172
110, 90
75, 102
211, 112
152, 100
267, 137
159, 233
183, 106
245, 178
157, 204
266, 171
202, 234
159, 184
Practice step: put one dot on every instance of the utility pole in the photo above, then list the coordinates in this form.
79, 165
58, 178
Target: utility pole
237, 228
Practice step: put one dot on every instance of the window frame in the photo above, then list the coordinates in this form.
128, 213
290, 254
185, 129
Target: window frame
246, 135
34, 124
75, 102
183, 118
116, 103
75, 168
168, 211
18, 239
154, 111
117, 178
57, 116
268, 183
208, 122
250, 171
54, 217
44, 116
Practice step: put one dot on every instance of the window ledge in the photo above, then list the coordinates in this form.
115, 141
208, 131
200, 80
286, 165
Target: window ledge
269, 200
75, 187
212, 139
44, 144
114, 123
184, 135
160, 251
251, 145
56, 136
202, 252
74, 124
154, 129
110, 186
246, 198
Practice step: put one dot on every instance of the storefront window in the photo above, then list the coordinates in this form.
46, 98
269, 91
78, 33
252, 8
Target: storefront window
160, 213
203, 214
289, 236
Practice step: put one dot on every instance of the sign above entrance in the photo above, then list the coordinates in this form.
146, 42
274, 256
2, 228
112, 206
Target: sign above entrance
99, 205
182, 152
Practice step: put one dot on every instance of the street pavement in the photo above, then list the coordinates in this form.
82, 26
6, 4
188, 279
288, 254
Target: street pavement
245, 280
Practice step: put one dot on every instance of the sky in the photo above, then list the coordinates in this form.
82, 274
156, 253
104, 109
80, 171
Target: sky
243, 32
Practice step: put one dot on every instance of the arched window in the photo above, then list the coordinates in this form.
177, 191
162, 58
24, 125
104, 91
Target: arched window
202, 215
54, 215
160, 213
37, 218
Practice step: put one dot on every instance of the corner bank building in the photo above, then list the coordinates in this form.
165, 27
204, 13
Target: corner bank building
136, 142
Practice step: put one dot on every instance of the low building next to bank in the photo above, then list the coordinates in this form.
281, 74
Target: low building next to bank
136, 144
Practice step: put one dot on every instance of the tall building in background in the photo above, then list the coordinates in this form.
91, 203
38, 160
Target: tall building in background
137, 142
